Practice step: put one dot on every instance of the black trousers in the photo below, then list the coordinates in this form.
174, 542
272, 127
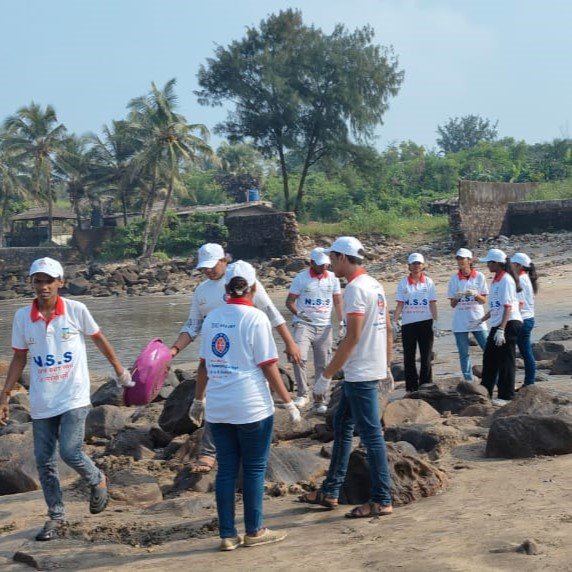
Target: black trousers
500, 361
413, 335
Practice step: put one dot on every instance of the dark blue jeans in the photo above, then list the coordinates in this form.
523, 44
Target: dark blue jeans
525, 348
359, 407
69, 429
248, 446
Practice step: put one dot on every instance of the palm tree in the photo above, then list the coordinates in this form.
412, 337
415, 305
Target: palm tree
169, 143
35, 134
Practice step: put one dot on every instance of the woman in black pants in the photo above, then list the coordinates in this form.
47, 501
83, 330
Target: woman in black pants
505, 321
416, 317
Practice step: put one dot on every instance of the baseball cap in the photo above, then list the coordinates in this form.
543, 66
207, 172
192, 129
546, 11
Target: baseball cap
464, 253
415, 257
209, 255
522, 259
47, 266
319, 256
240, 269
494, 255
348, 245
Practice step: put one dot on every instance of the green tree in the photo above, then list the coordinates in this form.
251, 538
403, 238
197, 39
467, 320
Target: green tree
299, 90
463, 133
35, 135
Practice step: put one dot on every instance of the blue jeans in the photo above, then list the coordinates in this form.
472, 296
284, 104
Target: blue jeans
69, 429
525, 348
208, 447
246, 445
359, 407
462, 339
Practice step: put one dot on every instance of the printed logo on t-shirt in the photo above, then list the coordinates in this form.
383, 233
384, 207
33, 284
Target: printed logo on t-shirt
380, 303
220, 344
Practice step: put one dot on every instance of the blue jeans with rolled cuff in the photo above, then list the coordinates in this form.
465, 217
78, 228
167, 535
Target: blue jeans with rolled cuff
359, 408
462, 340
69, 429
525, 347
247, 446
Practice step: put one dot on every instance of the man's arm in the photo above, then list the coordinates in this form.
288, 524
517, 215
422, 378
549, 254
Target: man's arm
108, 352
398, 311
15, 369
339, 306
355, 324
291, 303
389, 348
292, 349
182, 341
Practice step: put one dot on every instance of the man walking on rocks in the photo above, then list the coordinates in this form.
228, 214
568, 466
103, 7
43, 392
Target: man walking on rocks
365, 356
312, 295
52, 331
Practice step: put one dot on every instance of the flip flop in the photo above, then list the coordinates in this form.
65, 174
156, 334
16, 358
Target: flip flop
203, 465
375, 511
321, 499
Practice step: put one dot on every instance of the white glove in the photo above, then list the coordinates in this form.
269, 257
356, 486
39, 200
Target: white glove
500, 340
124, 380
197, 411
396, 327
474, 324
471, 293
459, 296
321, 387
293, 412
342, 331
436, 330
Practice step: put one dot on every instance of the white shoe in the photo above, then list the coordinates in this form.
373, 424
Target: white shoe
320, 408
499, 402
300, 401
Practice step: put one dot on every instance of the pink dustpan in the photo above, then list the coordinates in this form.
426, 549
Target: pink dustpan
149, 373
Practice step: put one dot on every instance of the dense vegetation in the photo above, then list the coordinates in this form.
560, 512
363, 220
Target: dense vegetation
304, 120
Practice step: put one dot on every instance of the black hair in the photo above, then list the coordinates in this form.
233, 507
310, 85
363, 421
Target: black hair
533, 276
507, 267
353, 259
237, 287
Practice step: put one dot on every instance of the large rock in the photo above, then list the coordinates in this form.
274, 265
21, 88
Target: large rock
291, 465
412, 478
559, 335
108, 394
536, 400
547, 350
78, 286
409, 411
135, 488
425, 438
105, 421
562, 364
285, 430
450, 395
174, 418
135, 442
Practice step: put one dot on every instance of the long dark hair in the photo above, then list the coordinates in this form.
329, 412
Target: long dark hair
533, 276
507, 267
237, 287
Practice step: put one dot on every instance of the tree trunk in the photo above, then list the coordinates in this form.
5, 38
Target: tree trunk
304, 174
147, 211
159, 222
284, 171
50, 212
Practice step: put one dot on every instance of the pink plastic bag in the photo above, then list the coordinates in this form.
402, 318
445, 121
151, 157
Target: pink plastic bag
149, 373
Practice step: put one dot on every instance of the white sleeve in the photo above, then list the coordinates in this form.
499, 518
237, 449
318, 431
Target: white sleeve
337, 287
262, 341
401, 294
263, 302
431, 290
296, 286
195, 320
18, 335
88, 325
355, 302
204, 346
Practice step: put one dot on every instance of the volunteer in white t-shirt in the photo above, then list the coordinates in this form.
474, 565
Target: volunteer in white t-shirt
238, 362
312, 295
364, 354
52, 332
499, 358
467, 293
416, 316
208, 296
528, 278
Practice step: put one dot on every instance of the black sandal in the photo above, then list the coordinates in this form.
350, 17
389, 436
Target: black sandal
50, 531
321, 499
375, 511
99, 497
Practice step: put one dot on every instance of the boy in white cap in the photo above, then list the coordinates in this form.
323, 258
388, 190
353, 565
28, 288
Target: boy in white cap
52, 331
365, 356
209, 295
312, 295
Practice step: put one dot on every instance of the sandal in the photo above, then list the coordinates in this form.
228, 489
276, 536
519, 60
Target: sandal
375, 511
203, 465
320, 498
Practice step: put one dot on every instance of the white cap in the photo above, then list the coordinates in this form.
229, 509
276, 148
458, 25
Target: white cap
240, 269
319, 256
348, 245
522, 259
47, 266
464, 253
209, 255
415, 257
494, 255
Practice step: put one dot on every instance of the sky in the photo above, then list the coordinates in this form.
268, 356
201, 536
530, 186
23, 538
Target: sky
506, 60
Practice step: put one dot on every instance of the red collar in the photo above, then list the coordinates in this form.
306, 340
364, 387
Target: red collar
498, 277
421, 279
314, 274
522, 271
36, 315
357, 273
240, 302
472, 274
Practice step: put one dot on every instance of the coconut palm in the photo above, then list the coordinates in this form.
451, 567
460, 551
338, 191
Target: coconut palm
169, 144
34, 134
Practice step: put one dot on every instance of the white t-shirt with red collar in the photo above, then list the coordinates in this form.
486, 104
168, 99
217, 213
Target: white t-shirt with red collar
503, 295
526, 296
59, 377
416, 297
365, 296
315, 295
467, 308
236, 341
211, 294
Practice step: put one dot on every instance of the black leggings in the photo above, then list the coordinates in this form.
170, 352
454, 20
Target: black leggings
413, 335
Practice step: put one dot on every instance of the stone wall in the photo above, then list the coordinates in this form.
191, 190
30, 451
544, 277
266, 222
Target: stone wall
18, 258
539, 216
263, 235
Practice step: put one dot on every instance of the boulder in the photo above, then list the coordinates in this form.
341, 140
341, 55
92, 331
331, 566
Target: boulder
425, 438
412, 478
132, 442
562, 365
78, 286
108, 394
547, 350
445, 396
135, 488
285, 430
560, 335
409, 411
291, 465
181, 507
105, 421
536, 400
174, 418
